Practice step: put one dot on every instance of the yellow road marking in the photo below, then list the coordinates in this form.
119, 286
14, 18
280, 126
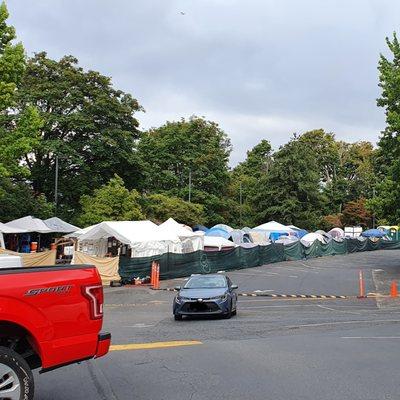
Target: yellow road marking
154, 345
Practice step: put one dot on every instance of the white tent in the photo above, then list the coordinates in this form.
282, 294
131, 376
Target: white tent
143, 237
217, 242
337, 233
58, 225
274, 226
7, 229
310, 238
30, 224
80, 232
191, 241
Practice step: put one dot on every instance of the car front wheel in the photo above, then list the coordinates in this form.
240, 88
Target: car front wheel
16, 379
177, 317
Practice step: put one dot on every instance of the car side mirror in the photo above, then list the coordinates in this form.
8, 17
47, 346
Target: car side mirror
177, 288
234, 286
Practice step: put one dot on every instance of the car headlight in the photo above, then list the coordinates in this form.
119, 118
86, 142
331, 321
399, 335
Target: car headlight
179, 299
222, 298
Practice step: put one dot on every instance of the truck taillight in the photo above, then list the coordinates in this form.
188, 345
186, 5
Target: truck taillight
96, 299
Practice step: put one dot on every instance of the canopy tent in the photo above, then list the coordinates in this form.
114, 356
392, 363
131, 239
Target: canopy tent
274, 226
30, 224
374, 233
143, 237
310, 238
218, 232
58, 225
217, 243
191, 241
276, 230
7, 230
80, 232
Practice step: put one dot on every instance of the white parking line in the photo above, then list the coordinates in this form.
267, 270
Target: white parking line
342, 323
343, 311
370, 337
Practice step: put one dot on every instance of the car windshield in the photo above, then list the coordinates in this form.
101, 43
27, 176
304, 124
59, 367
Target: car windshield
205, 282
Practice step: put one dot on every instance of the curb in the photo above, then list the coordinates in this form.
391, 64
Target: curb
286, 296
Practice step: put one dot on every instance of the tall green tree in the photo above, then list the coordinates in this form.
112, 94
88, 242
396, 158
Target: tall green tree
291, 192
386, 203
87, 124
159, 207
194, 149
111, 202
12, 66
243, 187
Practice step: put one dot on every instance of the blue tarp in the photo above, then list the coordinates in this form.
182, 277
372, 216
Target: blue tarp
374, 233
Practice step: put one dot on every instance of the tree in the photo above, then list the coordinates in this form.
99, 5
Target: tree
291, 193
193, 148
111, 202
18, 200
355, 213
159, 207
12, 61
385, 204
244, 182
87, 123
12, 65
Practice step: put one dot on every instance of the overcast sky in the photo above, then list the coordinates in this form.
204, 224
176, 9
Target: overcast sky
260, 68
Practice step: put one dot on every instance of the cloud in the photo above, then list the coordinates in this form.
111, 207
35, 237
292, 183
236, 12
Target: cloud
261, 68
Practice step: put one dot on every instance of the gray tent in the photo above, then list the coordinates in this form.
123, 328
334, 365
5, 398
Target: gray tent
58, 225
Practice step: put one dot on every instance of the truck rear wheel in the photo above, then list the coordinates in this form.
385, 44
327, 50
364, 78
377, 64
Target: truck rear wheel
16, 379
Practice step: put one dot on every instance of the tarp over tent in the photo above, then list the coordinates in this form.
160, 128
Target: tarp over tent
58, 225
217, 243
191, 241
143, 237
310, 238
337, 233
374, 233
30, 224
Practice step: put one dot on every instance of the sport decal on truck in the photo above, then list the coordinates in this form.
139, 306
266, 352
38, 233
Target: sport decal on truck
55, 289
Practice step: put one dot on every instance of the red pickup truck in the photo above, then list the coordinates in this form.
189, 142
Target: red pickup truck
49, 317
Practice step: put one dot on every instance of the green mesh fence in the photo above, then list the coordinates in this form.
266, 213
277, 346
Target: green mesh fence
201, 262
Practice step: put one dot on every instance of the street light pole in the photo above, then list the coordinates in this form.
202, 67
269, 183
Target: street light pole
190, 185
241, 203
56, 187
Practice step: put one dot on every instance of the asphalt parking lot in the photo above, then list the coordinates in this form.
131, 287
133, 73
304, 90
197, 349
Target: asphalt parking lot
275, 348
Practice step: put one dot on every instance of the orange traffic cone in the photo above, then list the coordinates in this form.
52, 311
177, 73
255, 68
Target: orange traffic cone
393, 289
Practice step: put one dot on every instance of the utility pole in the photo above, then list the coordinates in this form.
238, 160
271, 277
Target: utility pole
190, 185
56, 188
373, 215
241, 203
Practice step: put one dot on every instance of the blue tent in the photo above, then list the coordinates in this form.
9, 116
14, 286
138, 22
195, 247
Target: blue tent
218, 233
200, 228
374, 233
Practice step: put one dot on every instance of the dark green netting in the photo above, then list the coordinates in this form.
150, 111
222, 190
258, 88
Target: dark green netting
200, 262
